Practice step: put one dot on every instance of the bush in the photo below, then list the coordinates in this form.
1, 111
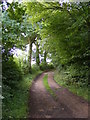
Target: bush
74, 74
35, 68
23, 66
45, 66
77, 75
11, 73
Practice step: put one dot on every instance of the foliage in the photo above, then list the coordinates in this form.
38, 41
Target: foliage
15, 102
22, 63
16, 11
64, 79
45, 66
64, 32
61, 30
11, 74
11, 23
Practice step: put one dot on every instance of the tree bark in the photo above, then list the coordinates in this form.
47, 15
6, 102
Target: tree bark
45, 56
30, 54
37, 54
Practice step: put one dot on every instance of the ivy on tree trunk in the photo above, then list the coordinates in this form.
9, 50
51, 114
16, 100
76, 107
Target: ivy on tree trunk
45, 56
37, 53
30, 54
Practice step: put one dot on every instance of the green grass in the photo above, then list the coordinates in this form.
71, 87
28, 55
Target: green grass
60, 78
17, 106
45, 81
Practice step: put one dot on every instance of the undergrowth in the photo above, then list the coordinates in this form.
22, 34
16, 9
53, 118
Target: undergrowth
15, 102
76, 87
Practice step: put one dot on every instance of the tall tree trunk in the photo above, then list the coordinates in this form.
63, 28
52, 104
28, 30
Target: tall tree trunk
30, 54
37, 53
45, 56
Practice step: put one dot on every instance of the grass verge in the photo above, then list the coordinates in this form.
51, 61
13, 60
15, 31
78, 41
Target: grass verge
17, 105
59, 77
45, 81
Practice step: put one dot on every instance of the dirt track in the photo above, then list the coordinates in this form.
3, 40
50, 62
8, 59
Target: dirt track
66, 104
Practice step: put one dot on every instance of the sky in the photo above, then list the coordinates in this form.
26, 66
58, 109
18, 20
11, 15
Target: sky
19, 53
10, 1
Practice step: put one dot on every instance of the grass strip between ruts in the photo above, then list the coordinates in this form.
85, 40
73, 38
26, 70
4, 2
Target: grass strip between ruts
48, 88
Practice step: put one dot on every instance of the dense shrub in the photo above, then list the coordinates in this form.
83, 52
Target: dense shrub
74, 74
78, 74
35, 68
11, 73
44, 66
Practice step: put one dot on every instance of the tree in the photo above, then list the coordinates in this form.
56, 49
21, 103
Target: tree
37, 53
65, 26
11, 28
31, 40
